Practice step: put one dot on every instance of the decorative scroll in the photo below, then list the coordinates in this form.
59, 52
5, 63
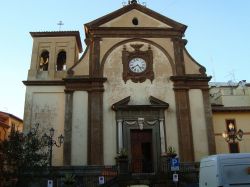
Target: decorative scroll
130, 122
140, 122
151, 123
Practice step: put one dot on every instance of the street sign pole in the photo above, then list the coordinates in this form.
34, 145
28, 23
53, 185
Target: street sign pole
175, 166
175, 178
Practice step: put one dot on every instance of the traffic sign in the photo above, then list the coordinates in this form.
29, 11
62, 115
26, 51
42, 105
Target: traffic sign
175, 177
101, 180
50, 183
175, 164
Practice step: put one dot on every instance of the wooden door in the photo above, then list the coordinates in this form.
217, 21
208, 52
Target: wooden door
141, 151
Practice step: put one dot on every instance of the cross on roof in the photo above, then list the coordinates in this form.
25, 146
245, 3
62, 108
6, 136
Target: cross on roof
60, 23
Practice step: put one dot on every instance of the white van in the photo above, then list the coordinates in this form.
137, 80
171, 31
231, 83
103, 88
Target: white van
225, 170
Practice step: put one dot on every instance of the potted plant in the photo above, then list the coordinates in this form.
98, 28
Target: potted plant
122, 154
122, 161
69, 180
171, 152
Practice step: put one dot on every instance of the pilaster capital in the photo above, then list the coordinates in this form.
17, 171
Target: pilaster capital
180, 41
119, 121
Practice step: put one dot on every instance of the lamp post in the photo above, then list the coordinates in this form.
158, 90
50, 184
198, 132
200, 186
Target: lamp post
50, 142
232, 135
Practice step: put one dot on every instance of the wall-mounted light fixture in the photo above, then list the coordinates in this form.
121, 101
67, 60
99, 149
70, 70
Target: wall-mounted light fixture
50, 142
232, 135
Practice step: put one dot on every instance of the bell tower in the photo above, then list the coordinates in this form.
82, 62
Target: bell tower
53, 54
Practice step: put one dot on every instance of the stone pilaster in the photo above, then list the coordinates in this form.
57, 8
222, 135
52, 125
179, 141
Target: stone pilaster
95, 107
120, 137
68, 127
162, 136
209, 122
95, 128
94, 66
179, 45
186, 147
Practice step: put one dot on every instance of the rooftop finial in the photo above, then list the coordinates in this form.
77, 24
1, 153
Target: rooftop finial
132, 1
60, 23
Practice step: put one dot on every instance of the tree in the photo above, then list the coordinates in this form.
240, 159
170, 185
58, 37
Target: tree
21, 151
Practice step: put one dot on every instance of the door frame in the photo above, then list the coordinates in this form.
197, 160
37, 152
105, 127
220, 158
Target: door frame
150, 116
156, 150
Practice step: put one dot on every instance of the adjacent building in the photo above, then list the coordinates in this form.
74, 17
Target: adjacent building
231, 109
8, 121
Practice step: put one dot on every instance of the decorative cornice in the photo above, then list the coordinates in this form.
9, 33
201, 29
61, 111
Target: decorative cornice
85, 84
133, 32
156, 104
73, 83
155, 101
84, 79
43, 83
230, 109
191, 82
76, 34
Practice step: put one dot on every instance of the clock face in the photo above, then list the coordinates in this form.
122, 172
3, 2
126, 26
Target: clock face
137, 65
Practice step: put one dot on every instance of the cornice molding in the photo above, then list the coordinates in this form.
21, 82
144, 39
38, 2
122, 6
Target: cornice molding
132, 32
94, 84
190, 82
43, 83
76, 34
156, 104
230, 109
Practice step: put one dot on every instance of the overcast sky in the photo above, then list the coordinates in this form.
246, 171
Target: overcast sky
217, 34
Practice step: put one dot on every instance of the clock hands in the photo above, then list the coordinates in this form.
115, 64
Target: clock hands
136, 67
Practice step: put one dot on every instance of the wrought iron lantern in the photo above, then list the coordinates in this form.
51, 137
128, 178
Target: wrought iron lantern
50, 142
232, 135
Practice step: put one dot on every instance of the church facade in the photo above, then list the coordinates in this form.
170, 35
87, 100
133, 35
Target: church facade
135, 88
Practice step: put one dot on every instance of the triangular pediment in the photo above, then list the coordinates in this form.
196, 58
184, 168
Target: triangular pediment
146, 18
155, 104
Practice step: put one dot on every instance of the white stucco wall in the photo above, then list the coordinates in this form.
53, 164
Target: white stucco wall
46, 105
82, 67
116, 89
191, 66
198, 124
235, 100
171, 125
79, 128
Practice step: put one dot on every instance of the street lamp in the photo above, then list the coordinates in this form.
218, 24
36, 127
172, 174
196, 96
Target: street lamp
50, 142
232, 135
